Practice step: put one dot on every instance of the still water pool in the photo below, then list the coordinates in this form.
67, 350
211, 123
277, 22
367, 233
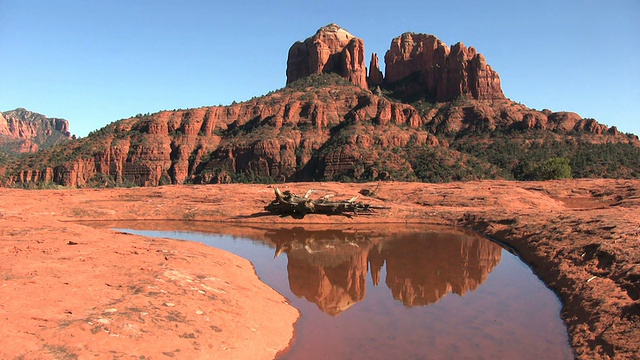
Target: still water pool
396, 293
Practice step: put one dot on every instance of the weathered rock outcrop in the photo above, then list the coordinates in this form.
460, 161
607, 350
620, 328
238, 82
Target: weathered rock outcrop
417, 65
331, 50
25, 131
479, 116
421, 66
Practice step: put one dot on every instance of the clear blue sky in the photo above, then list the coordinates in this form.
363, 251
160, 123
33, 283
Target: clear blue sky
94, 62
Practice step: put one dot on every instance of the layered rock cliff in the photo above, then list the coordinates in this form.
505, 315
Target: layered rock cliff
288, 135
331, 50
331, 132
25, 131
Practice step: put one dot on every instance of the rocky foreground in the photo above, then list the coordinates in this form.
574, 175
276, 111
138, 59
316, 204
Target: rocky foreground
70, 289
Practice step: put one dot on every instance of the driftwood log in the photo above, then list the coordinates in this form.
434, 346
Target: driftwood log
287, 203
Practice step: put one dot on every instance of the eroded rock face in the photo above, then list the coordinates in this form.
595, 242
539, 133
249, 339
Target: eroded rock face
276, 137
25, 131
420, 65
331, 50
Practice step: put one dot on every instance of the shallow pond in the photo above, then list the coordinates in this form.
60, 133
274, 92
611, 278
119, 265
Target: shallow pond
396, 293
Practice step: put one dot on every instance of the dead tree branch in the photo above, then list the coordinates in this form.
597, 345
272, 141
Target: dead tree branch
287, 203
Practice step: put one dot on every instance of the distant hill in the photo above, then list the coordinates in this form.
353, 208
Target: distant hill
23, 131
438, 114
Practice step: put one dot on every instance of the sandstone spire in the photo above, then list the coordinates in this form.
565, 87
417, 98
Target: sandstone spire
375, 75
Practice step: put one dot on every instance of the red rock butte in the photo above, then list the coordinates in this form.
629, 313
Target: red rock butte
439, 72
416, 65
331, 50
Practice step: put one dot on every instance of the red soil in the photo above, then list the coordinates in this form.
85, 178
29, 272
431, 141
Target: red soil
68, 288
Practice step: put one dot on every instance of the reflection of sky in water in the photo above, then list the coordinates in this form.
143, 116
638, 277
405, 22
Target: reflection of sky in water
505, 311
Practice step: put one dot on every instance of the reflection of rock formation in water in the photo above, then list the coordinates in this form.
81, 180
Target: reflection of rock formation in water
422, 271
376, 261
329, 268
333, 288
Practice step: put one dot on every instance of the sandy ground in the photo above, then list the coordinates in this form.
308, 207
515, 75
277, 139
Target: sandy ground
70, 290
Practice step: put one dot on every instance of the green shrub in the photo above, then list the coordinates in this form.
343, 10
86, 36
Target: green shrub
553, 169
